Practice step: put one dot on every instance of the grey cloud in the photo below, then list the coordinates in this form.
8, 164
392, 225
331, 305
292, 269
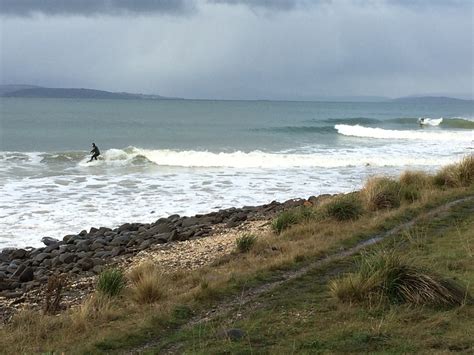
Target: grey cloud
94, 7
271, 4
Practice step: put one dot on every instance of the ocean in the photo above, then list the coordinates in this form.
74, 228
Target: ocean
161, 157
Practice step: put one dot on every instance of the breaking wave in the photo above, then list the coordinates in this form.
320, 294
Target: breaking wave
255, 159
379, 133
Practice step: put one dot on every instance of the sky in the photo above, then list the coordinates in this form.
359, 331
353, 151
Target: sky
241, 49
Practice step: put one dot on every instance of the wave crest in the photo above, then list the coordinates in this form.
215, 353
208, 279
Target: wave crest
379, 133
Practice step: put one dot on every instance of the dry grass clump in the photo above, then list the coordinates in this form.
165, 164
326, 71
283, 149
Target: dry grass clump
98, 307
386, 277
344, 207
419, 179
148, 283
456, 175
381, 193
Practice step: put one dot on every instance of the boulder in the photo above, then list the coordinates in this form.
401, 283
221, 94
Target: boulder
27, 275
67, 258
233, 334
49, 241
85, 264
41, 256
18, 254
19, 270
83, 245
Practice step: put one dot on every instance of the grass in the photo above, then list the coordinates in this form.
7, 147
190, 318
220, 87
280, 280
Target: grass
388, 277
456, 175
309, 320
245, 243
111, 282
382, 193
147, 283
288, 218
344, 207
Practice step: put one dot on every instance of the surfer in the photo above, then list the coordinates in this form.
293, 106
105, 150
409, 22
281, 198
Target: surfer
421, 121
95, 152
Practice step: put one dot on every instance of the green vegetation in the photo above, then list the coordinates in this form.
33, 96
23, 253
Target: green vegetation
381, 193
291, 307
456, 175
111, 282
387, 277
344, 207
288, 218
245, 243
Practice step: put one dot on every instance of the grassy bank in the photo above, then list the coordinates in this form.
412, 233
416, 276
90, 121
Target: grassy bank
303, 314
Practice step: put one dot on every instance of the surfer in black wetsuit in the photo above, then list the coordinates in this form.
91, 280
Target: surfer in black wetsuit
95, 152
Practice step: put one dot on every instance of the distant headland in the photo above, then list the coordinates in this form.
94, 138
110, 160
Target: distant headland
32, 91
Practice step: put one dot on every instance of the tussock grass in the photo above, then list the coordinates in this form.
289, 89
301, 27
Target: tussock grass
148, 283
381, 193
99, 307
387, 277
417, 179
288, 218
456, 175
344, 207
111, 282
245, 243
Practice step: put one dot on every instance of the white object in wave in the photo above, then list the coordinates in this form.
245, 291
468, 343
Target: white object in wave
425, 121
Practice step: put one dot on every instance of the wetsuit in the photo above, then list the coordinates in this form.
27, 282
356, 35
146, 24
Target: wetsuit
95, 153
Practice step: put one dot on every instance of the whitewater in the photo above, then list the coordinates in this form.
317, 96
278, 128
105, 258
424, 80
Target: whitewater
185, 157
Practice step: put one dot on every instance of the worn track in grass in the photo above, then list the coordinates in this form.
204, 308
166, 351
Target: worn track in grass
250, 294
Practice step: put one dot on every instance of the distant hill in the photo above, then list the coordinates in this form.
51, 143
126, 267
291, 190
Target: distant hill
429, 99
4, 89
69, 93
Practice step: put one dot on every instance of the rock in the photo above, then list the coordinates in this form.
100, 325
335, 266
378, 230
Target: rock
19, 270
5, 285
83, 233
83, 245
160, 229
173, 218
41, 256
18, 254
145, 244
49, 241
27, 275
67, 258
118, 251
121, 240
68, 239
85, 264
93, 230
97, 269
189, 221
233, 334
97, 245
46, 263
51, 247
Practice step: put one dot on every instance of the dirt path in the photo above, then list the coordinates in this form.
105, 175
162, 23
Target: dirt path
249, 295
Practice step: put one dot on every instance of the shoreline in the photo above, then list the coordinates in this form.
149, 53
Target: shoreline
175, 242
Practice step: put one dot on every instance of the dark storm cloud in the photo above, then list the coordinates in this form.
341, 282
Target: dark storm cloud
94, 7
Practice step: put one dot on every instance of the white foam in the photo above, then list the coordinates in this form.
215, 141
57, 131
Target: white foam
379, 133
328, 158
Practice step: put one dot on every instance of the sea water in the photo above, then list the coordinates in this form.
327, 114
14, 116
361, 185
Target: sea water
161, 157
